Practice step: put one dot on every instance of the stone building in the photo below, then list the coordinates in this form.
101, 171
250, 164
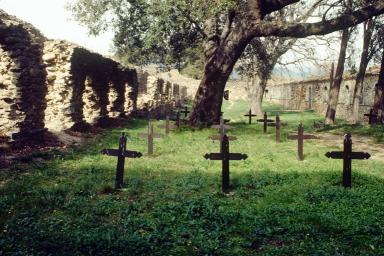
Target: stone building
313, 94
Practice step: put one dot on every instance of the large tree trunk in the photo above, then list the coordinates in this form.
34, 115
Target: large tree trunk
335, 88
219, 64
378, 103
368, 30
257, 100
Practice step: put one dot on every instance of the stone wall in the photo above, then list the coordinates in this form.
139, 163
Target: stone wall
59, 85
313, 94
158, 95
22, 77
85, 87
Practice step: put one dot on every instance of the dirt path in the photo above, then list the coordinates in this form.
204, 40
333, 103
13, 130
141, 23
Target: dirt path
360, 143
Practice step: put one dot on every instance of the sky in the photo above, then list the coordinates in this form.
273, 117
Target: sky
55, 22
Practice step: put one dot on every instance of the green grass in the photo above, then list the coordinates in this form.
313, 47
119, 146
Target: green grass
172, 205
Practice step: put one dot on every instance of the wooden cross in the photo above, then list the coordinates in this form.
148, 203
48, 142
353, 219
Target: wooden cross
300, 137
265, 120
250, 115
150, 136
372, 117
121, 154
225, 157
185, 111
167, 126
221, 128
278, 125
347, 155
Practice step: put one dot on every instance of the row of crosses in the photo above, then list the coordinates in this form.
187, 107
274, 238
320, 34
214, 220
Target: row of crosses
225, 156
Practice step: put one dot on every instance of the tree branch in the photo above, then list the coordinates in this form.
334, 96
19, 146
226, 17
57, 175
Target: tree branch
263, 28
269, 6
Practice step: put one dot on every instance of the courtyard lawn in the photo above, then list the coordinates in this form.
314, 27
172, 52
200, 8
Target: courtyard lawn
64, 203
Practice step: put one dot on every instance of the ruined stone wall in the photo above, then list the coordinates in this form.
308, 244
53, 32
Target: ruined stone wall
22, 77
56, 84
85, 87
313, 94
158, 95
59, 85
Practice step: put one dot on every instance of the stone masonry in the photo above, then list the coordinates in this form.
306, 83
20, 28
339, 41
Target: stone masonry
59, 85
313, 94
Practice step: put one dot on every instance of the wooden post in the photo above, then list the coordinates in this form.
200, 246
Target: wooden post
178, 119
150, 139
347, 162
300, 142
278, 131
225, 164
119, 183
265, 122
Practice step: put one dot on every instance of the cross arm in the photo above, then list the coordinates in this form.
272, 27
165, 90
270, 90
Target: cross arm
237, 156
127, 153
335, 154
213, 156
218, 137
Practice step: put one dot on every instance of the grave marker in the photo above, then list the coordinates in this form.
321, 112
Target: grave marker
372, 117
225, 157
185, 112
121, 154
265, 120
167, 126
150, 136
250, 115
300, 137
222, 127
347, 155
278, 125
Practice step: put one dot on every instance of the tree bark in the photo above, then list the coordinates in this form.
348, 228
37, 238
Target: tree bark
378, 104
257, 98
335, 89
368, 30
227, 48
220, 60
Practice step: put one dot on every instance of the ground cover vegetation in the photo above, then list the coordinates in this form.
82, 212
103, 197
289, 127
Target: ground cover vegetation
63, 203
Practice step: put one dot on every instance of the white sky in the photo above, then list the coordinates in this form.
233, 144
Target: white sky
55, 22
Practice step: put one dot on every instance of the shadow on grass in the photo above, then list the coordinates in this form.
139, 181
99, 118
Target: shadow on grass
164, 211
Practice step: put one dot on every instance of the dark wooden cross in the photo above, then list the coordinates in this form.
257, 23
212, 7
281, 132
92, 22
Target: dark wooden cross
150, 135
185, 111
372, 117
300, 137
278, 125
250, 115
222, 127
265, 120
226, 95
347, 155
121, 154
225, 157
167, 126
